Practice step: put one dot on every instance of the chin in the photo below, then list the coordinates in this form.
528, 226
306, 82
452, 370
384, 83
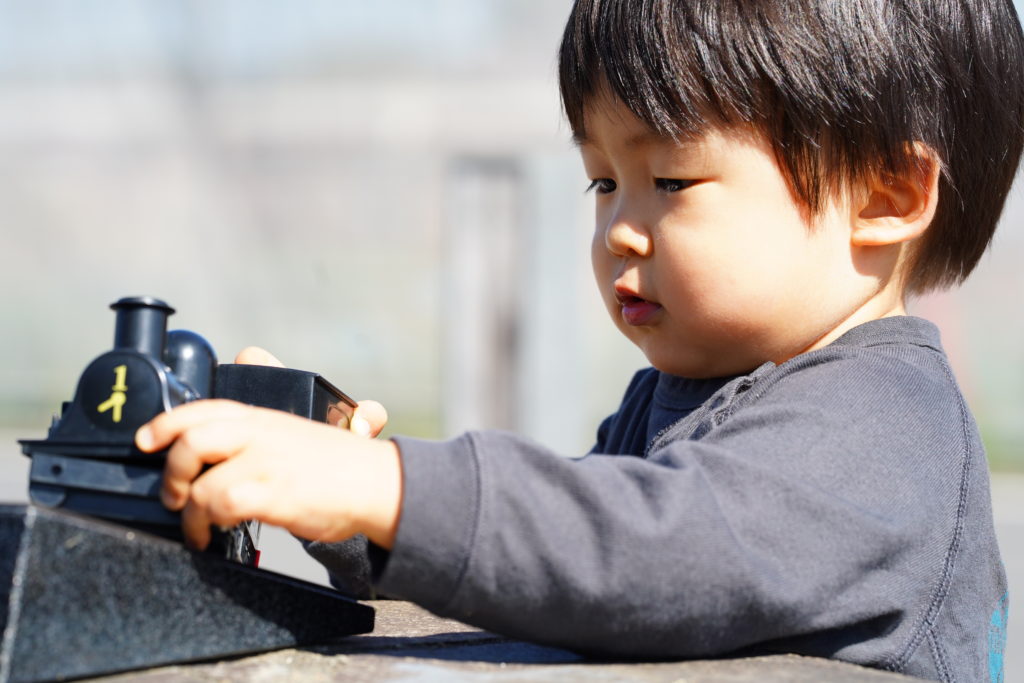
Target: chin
693, 369
699, 365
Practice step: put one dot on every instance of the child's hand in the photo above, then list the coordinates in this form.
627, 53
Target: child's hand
316, 481
369, 418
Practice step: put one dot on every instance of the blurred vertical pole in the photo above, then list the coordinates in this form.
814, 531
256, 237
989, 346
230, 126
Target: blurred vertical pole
514, 315
482, 280
553, 383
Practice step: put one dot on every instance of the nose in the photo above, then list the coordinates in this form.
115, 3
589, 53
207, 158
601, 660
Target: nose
626, 235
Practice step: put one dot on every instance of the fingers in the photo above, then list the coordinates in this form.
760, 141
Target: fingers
369, 418
159, 432
224, 465
195, 525
224, 496
206, 444
254, 355
199, 434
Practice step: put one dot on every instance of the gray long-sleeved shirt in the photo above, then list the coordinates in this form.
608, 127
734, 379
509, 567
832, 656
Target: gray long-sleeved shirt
835, 505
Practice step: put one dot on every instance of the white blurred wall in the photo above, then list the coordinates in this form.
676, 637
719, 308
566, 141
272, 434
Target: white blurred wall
384, 193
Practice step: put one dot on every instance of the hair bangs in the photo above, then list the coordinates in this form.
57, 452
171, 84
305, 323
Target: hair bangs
682, 67
635, 54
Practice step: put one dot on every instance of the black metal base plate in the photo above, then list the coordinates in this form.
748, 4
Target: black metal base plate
80, 597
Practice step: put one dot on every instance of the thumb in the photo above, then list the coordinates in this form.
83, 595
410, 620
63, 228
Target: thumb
369, 418
254, 355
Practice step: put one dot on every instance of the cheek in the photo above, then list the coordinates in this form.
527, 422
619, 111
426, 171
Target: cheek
601, 263
728, 269
762, 240
600, 258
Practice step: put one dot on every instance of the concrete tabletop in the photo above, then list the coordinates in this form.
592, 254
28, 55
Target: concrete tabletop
410, 644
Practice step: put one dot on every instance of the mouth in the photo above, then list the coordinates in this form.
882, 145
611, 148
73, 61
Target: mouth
636, 311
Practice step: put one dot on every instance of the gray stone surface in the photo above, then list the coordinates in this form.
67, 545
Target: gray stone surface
81, 597
90, 599
409, 644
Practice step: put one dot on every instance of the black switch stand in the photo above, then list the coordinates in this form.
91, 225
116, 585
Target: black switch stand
81, 597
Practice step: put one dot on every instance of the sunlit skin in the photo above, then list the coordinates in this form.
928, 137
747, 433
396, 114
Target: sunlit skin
708, 263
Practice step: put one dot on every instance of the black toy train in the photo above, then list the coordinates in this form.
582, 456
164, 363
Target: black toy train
88, 463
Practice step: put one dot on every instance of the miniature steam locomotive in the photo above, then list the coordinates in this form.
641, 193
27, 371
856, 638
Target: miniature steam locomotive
88, 463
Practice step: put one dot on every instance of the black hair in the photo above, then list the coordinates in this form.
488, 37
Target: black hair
841, 88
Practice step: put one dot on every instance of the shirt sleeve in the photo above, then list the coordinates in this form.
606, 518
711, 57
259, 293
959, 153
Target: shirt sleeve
347, 564
822, 504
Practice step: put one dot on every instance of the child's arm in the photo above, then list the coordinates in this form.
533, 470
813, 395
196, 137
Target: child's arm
317, 481
813, 508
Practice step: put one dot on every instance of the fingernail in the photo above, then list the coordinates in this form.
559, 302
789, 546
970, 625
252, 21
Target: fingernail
360, 426
144, 438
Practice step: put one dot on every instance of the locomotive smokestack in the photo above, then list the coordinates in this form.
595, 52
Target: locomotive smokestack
141, 325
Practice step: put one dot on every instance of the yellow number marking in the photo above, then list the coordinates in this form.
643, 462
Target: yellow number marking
118, 398
120, 374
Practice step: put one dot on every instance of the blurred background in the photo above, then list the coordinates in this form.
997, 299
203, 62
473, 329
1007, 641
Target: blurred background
384, 193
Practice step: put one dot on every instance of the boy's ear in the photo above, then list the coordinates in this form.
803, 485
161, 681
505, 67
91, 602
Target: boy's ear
898, 209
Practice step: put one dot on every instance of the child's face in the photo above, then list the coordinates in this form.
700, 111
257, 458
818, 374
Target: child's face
704, 258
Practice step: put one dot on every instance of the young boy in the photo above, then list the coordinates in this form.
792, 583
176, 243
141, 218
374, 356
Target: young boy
798, 471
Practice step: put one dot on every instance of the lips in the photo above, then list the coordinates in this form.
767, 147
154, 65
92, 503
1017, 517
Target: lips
636, 311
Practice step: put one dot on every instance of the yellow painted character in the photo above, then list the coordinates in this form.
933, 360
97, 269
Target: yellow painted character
119, 396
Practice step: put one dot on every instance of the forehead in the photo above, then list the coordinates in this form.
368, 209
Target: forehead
718, 151
605, 113
607, 121
610, 127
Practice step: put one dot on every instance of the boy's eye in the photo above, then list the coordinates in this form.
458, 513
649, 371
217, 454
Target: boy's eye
672, 184
601, 185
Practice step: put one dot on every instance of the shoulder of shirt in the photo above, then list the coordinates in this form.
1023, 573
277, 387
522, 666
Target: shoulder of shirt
900, 356
894, 330
897, 350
